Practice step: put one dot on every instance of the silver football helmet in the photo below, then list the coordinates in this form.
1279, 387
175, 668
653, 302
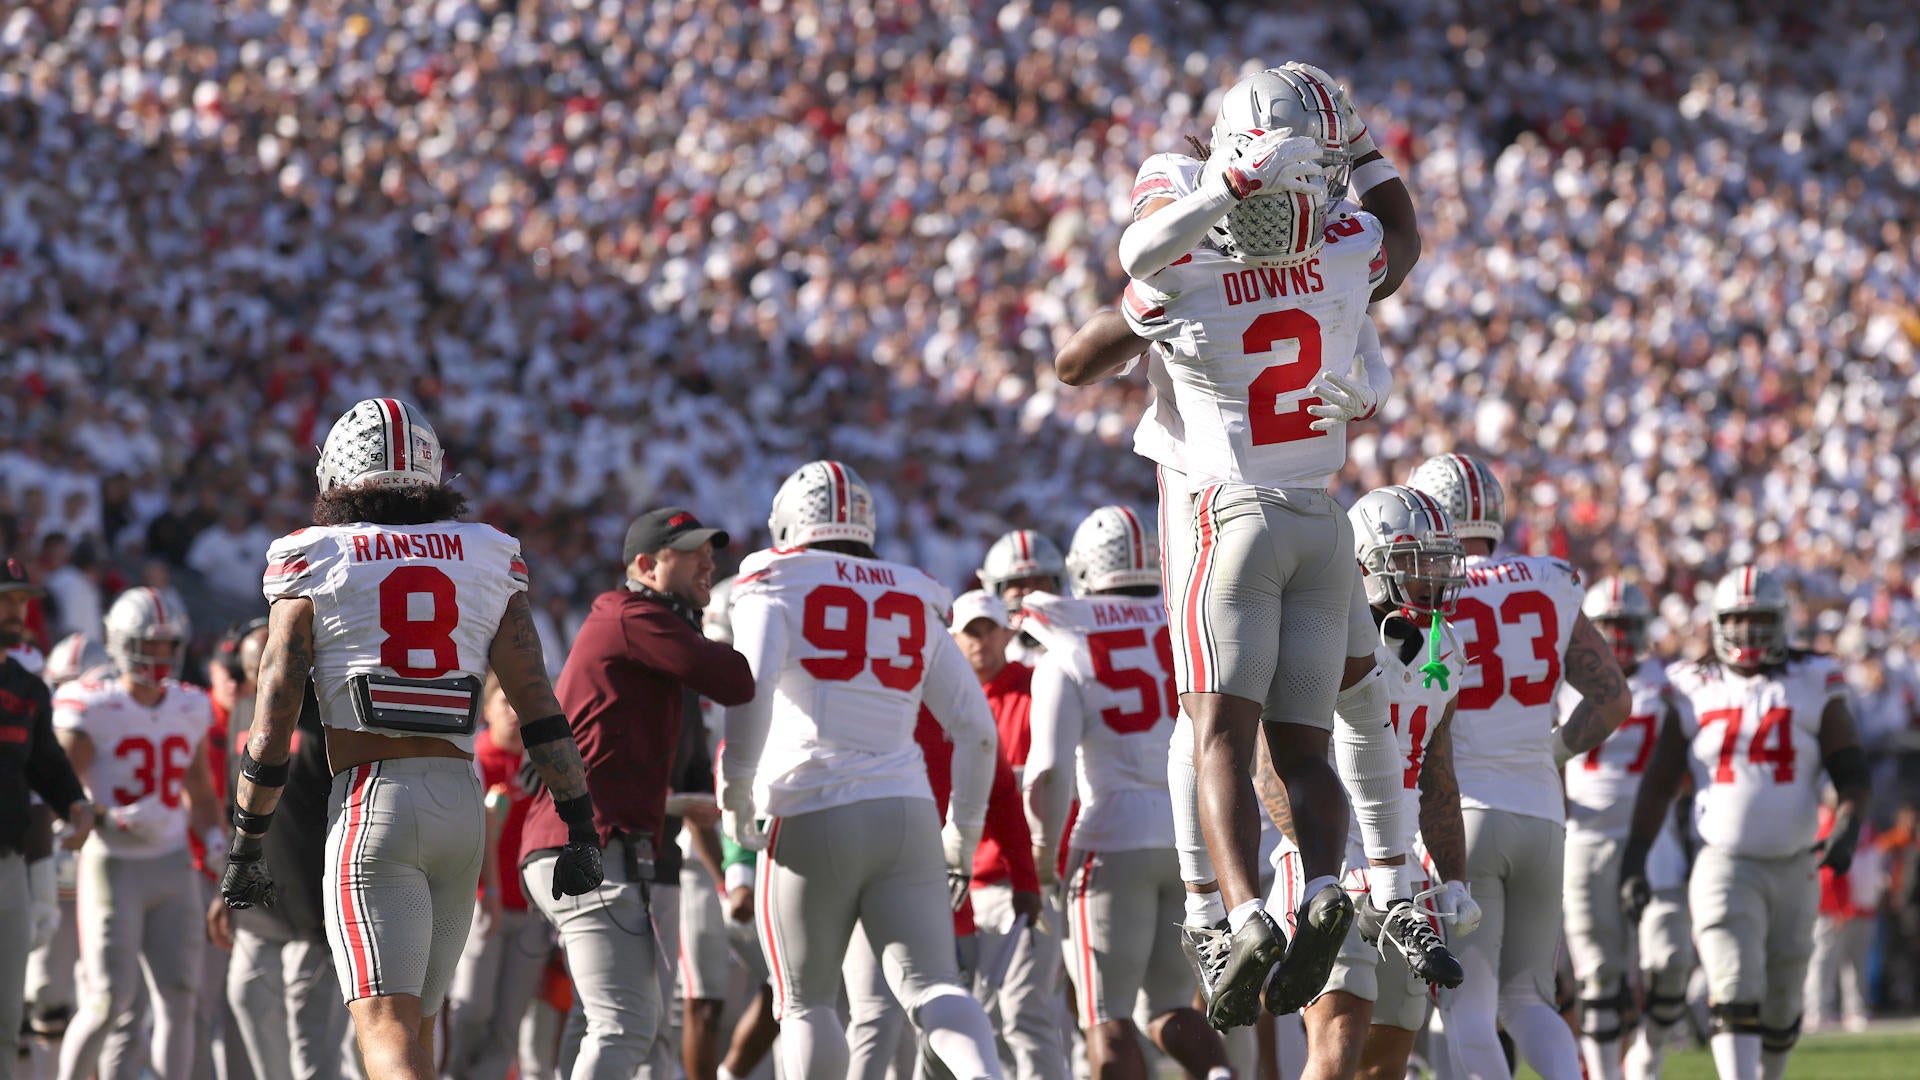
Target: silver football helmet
1752, 642
383, 442
1288, 227
1022, 553
1467, 488
1620, 611
1404, 539
822, 500
71, 657
146, 635
1112, 550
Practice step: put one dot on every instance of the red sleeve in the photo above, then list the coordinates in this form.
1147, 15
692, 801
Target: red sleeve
1007, 825
656, 638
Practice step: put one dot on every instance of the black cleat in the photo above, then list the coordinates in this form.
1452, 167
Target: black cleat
1232, 967
1405, 927
1320, 927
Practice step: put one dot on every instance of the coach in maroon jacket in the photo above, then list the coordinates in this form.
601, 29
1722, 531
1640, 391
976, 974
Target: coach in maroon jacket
623, 690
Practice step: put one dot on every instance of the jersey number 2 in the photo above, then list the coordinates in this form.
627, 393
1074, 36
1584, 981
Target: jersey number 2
1265, 418
419, 611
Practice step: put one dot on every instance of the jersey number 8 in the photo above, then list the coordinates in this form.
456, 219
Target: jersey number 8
419, 612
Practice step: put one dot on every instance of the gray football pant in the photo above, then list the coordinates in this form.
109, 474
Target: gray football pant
497, 976
1602, 948
614, 958
1753, 922
16, 934
285, 1002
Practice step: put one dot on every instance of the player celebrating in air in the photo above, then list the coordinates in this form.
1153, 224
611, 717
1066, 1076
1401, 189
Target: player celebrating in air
1601, 785
398, 610
1520, 617
845, 648
1365, 1020
1757, 723
1103, 710
137, 740
1247, 287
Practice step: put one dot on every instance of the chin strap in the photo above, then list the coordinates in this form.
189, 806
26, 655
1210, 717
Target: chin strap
1433, 669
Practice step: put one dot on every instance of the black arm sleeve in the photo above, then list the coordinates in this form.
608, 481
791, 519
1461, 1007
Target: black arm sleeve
49, 773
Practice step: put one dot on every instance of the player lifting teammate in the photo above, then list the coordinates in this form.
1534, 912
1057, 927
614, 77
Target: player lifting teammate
397, 610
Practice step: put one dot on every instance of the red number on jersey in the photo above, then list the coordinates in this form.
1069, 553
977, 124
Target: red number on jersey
407, 635
1264, 419
1138, 679
173, 757
1638, 765
846, 634
1163, 648
1776, 726
1481, 651
1417, 723
1342, 227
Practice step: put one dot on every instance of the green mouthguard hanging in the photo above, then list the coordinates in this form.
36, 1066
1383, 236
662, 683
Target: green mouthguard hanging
1433, 669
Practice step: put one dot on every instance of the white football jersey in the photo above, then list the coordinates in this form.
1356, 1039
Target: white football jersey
1754, 745
1241, 343
140, 755
1516, 615
1603, 782
1415, 709
409, 601
1104, 698
851, 648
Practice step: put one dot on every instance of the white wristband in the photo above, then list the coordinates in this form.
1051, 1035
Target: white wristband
1372, 175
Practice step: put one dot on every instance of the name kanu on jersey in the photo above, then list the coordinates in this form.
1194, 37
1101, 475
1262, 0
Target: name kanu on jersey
407, 546
1272, 282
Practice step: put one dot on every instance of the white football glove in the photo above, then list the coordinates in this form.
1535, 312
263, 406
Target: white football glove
146, 821
957, 844
1265, 164
43, 905
1344, 398
1453, 902
1359, 138
737, 813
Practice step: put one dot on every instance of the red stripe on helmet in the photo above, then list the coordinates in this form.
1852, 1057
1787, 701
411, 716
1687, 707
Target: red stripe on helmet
159, 605
1302, 221
1026, 551
1746, 585
394, 423
838, 478
1138, 537
1332, 122
1473, 485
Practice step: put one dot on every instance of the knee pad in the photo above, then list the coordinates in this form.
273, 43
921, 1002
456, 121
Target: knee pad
1736, 1017
1779, 1040
1606, 1017
1665, 1008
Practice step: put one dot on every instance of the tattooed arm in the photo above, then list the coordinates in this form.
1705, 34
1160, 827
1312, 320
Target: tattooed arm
1273, 794
1442, 828
285, 665
1605, 699
521, 667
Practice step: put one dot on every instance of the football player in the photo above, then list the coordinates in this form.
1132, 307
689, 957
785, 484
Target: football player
1758, 724
1103, 712
845, 648
397, 609
1601, 785
1249, 284
1520, 618
1364, 1022
138, 741
1019, 563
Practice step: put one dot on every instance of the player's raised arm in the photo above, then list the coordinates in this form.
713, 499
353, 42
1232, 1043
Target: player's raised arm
1262, 164
1102, 348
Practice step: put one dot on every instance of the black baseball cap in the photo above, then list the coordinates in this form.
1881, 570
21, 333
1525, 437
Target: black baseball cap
13, 578
669, 527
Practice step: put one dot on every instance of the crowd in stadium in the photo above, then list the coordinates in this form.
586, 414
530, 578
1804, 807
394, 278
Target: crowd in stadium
636, 253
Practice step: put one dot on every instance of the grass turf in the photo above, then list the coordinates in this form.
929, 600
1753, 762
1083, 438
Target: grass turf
1873, 1055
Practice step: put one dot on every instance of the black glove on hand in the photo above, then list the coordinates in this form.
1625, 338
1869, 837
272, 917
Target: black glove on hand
1635, 894
245, 882
1841, 842
578, 868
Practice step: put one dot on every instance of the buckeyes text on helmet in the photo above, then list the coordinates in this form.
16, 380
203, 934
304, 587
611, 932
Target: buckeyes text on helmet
1405, 541
1620, 611
1112, 549
381, 442
1022, 554
822, 501
1466, 487
146, 635
1750, 610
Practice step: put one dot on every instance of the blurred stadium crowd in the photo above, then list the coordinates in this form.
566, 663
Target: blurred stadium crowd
628, 253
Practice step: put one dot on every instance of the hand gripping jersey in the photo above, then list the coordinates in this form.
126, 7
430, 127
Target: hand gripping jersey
1105, 689
403, 619
852, 648
140, 758
1516, 615
1415, 710
1241, 343
1755, 751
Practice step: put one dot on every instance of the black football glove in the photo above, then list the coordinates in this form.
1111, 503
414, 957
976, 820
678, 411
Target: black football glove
578, 868
1635, 895
1840, 843
245, 882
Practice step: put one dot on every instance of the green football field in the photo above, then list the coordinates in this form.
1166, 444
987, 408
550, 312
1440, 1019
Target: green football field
1887, 1053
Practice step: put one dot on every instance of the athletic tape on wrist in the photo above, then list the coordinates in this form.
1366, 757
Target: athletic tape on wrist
245, 820
261, 775
545, 730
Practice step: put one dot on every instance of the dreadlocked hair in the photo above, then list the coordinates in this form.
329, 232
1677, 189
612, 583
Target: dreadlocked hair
414, 505
1200, 150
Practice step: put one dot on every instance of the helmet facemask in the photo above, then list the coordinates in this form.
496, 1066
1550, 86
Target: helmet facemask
1750, 638
147, 660
1417, 577
1626, 636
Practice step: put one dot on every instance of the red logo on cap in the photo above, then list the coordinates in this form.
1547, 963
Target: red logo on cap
678, 520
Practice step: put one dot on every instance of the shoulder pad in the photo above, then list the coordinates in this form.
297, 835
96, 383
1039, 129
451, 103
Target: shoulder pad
1163, 176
